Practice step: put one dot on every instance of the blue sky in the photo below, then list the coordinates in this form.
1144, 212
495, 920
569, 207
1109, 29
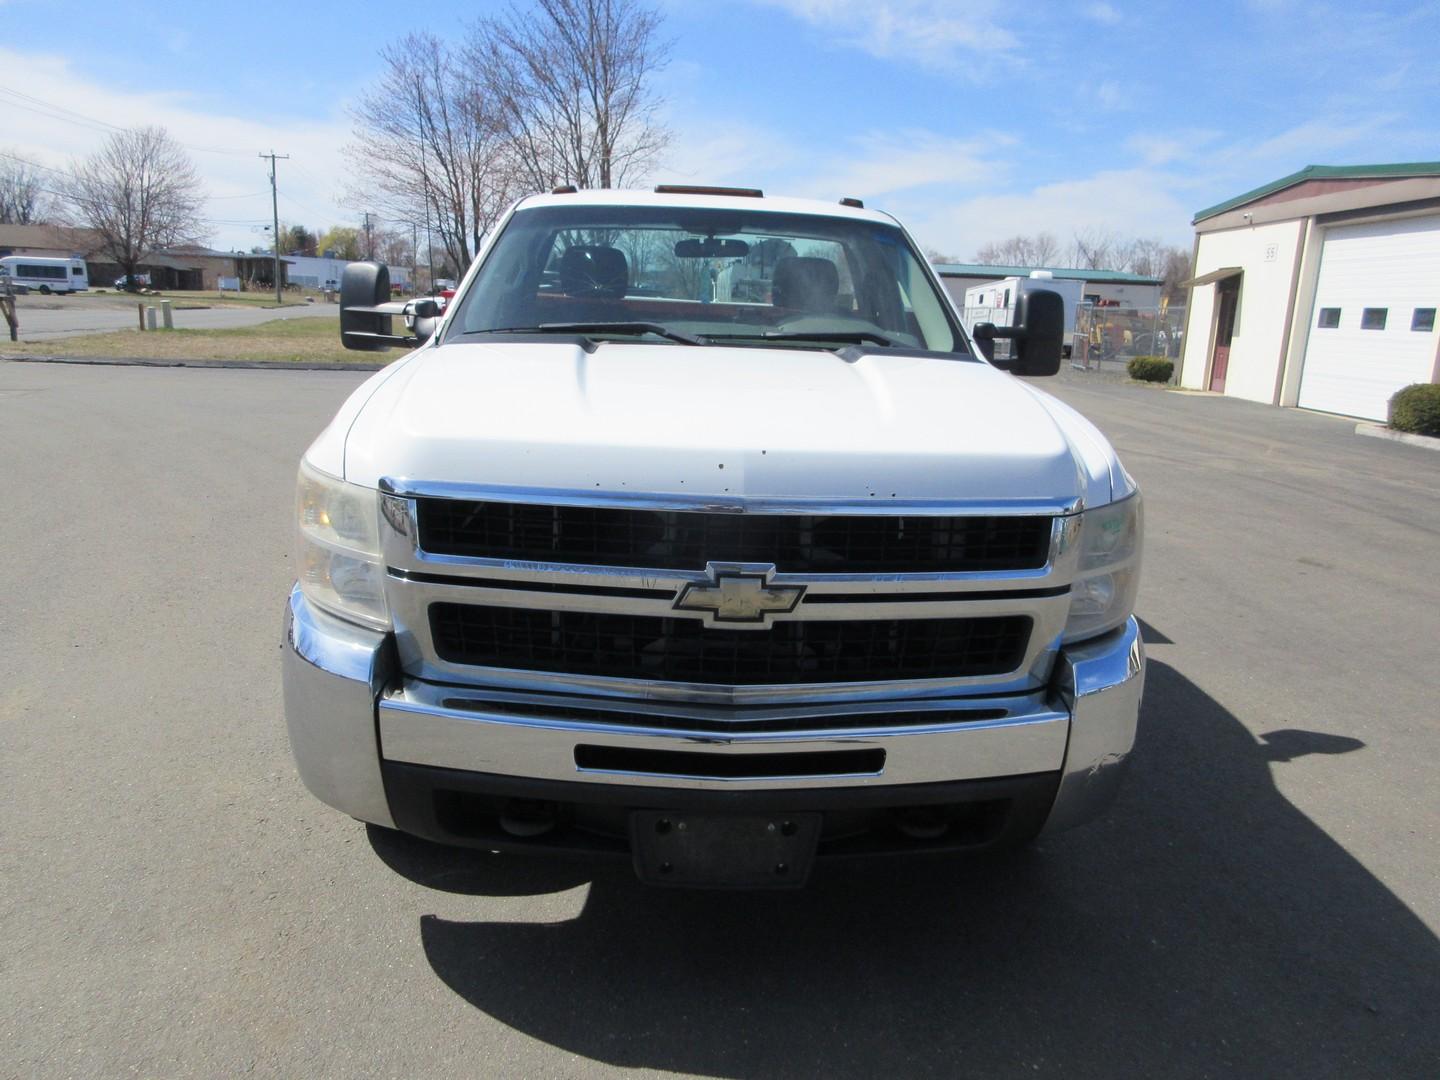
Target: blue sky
971, 121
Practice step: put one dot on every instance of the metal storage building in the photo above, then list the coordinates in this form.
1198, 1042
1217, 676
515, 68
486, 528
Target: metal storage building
1319, 290
1101, 286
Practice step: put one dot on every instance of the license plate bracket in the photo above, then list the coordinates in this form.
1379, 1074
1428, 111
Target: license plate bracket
724, 851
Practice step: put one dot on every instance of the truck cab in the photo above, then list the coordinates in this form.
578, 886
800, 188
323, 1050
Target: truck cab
697, 531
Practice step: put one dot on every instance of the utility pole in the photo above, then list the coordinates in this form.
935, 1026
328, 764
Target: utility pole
369, 239
275, 214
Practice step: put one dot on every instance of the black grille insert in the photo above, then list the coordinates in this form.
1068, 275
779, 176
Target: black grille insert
686, 540
685, 650
730, 766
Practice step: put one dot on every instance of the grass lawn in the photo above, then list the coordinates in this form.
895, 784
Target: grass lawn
314, 340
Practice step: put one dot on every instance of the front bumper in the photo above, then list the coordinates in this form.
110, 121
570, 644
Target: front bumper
389, 749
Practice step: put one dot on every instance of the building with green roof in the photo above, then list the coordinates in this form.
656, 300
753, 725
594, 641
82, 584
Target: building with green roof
1319, 289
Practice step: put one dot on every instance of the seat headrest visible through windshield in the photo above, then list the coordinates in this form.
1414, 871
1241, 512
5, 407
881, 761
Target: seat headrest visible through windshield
594, 271
805, 284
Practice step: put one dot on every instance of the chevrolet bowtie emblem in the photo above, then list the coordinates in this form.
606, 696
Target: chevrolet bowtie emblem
738, 596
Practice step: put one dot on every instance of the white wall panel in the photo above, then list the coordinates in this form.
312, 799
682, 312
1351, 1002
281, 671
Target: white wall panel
1393, 265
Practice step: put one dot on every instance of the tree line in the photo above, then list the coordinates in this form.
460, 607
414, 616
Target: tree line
1089, 249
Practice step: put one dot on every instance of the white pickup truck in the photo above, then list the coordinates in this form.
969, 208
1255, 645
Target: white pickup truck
698, 532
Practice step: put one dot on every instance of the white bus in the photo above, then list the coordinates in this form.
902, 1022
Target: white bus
46, 275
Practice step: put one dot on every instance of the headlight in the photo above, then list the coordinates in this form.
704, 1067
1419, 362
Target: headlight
338, 554
1108, 569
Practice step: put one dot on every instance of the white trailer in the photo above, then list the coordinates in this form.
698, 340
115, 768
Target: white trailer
994, 301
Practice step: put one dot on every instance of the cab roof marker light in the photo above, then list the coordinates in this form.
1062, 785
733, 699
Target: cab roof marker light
564, 189
850, 200
701, 189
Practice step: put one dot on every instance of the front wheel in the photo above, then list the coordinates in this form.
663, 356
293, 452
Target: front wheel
44, 290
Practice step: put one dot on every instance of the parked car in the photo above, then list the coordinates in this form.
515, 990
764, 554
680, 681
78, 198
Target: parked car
141, 281
720, 588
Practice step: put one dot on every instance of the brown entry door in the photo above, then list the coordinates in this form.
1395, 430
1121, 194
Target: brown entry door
1227, 294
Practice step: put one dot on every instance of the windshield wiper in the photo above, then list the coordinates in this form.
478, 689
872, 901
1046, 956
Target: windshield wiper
658, 329
838, 337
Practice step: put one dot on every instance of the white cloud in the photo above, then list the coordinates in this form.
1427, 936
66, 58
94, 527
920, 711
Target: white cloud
1101, 12
1317, 137
1131, 202
877, 164
1162, 148
236, 180
938, 34
869, 165
1110, 95
741, 155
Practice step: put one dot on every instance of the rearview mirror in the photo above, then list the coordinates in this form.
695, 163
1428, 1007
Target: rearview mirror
366, 311
1038, 334
711, 248
364, 286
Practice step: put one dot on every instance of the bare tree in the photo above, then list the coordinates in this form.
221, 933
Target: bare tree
429, 149
1045, 249
139, 193
24, 199
394, 246
572, 82
1094, 249
1029, 251
1174, 272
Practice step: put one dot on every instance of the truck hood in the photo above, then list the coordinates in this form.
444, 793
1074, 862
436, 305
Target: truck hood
729, 422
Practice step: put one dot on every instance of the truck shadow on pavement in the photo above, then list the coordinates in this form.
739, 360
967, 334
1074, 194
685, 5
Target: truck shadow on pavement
1204, 927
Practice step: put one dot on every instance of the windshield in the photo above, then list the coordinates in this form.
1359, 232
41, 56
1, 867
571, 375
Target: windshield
737, 277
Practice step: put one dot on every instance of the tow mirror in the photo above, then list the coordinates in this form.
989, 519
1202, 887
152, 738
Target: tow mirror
1038, 334
366, 311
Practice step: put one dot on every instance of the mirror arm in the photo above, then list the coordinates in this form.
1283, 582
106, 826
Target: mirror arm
387, 339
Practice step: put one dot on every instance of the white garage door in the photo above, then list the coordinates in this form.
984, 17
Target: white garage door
1373, 329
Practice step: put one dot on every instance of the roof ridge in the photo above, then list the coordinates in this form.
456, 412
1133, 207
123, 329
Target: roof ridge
1331, 172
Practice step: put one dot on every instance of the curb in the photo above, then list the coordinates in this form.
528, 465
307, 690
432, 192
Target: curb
136, 361
1379, 431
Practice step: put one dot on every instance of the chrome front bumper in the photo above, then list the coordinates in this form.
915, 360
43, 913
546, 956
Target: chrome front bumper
349, 707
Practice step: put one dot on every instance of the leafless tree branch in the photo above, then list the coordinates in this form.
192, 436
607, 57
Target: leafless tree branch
24, 199
139, 193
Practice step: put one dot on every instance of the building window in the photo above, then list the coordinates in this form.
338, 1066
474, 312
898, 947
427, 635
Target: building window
1329, 318
1423, 319
1373, 318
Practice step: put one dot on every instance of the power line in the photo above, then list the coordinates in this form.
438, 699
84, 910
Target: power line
59, 112
33, 164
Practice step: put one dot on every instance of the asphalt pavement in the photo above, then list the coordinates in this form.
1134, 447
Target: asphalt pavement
1261, 902
42, 319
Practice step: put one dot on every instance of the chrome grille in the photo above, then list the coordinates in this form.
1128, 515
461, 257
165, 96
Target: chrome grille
686, 651
687, 540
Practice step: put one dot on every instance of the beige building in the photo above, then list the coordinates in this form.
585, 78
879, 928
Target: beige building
1319, 290
181, 267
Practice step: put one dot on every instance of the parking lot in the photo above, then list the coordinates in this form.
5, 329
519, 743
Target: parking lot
1262, 900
